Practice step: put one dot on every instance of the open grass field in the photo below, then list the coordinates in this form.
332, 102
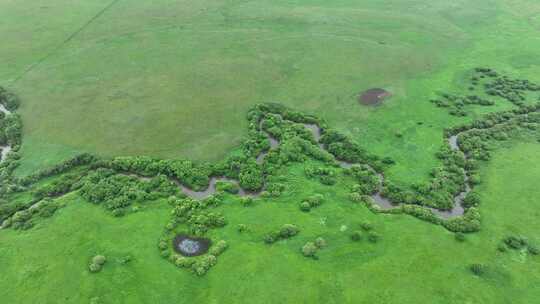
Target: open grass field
175, 80
414, 262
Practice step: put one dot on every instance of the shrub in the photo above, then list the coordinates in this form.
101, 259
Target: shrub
309, 249
271, 237
242, 228
288, 230
533, 249
356, 236
315, 200
305, 206
246, 201
477, 269
320, 242
227, 187
99, 259
275, 189
118, 212
515, 242
471, 200
184, 262
356, 197
502, 247
219, 248
326, 176
251, 177
373, 237
366, 226
97, 263
388, 160
460, 237
94, 267
163, 245
469, 222
311, 202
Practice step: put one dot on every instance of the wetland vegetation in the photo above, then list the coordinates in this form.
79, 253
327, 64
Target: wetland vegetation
247, 159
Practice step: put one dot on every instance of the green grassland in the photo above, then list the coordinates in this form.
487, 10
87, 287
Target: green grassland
174, 79
414, 262
177, 77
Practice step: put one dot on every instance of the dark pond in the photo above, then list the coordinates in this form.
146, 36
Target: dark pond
191, 246
373, 96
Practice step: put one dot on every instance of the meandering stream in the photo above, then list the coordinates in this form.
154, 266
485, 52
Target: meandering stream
382, 202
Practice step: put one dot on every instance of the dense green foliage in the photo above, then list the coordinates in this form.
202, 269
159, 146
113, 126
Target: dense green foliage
97, 263
286, 231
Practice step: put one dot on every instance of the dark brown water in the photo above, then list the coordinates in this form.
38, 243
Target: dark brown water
199, 195
373, 96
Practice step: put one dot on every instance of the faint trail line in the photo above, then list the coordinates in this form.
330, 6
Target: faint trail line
66, 41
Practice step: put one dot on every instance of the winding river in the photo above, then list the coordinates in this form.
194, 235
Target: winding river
382, 202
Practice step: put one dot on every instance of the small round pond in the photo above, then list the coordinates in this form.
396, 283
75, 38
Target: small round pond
191, 246
373, 96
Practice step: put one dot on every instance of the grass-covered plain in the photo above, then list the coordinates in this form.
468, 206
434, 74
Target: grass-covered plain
174, 79
177, 77
414, 261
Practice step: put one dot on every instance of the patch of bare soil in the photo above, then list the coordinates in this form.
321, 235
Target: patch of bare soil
373, 96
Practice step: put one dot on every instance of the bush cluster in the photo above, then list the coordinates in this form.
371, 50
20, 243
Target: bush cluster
311, 202
194, 176
518, 242
494, 85
219, 248
497, 127
372, 236
356, 235
79, 160
10, 129
446, 181
459, 236
456, 104
513, 90
247, 201
24, 219
9, 100
117, 192
66, 183
310, 249
478, 269
96, 264
469, 222
326, 176
195, 214
227, 186
200, 265
274, 189
368, 180
286, 231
